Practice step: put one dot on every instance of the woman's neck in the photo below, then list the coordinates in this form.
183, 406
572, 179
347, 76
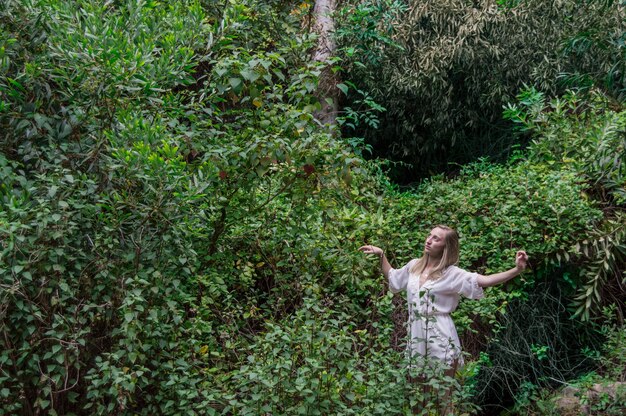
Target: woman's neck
431, 263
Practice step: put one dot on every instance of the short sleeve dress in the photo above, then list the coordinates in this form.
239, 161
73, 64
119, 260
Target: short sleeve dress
432, 331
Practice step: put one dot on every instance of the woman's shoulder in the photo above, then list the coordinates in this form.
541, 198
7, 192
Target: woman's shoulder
411, 263
454, 270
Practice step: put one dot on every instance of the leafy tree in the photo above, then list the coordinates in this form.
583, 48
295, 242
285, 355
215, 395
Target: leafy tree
443, 70
178, 235
585, 133
139, 164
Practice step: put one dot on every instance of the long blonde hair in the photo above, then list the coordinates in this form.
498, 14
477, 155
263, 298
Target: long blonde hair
449, 257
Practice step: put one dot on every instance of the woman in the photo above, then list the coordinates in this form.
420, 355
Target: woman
434, 284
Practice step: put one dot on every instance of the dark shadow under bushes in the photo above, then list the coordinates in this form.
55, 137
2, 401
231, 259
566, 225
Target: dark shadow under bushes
537, 343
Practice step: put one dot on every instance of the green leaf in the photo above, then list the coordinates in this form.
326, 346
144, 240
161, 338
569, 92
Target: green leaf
343, 88
249, 75
235, 83
52, 191
60, 358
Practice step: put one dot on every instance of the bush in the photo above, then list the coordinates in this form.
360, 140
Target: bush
585, 133
444, 69
133, 186
180, 237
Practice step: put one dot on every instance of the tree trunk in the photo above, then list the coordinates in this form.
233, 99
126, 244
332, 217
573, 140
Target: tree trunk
327, 91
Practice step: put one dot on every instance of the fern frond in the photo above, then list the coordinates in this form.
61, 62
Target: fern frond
607, 255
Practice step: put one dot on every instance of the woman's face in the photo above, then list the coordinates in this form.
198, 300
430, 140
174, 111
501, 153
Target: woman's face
435, 243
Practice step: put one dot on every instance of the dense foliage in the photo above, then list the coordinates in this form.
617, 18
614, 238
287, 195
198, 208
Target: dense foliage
179, 235
444, 70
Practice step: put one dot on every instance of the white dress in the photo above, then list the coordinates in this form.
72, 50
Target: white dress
432, 331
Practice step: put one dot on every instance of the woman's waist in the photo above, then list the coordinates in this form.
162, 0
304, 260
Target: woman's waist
427, 312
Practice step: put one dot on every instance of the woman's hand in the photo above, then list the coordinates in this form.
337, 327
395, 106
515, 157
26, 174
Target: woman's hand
384, 264
521, 260
372, 250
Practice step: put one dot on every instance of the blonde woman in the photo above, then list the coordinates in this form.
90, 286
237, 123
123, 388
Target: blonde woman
434, 285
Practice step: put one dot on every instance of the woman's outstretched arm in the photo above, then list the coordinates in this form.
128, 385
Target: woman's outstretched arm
521, 262
384, 264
